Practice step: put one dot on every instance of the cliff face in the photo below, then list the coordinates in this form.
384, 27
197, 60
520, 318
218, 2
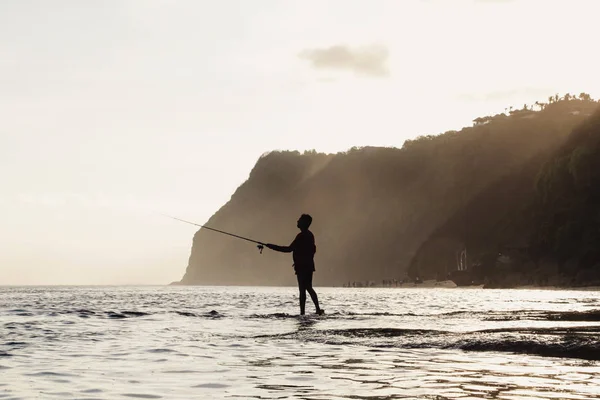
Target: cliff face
379, 213
536, 225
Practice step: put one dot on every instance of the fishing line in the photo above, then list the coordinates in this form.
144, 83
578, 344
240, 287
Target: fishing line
260, 245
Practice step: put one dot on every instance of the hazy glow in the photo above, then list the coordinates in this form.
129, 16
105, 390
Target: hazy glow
111, 110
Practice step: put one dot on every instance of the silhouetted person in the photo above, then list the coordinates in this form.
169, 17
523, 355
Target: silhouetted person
303, 249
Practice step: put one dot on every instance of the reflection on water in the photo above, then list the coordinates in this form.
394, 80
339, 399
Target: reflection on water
241, 342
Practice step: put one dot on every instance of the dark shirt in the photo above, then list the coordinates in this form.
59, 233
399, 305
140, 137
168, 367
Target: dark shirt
304, 250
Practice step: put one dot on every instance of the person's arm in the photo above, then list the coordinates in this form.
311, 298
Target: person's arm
283, 249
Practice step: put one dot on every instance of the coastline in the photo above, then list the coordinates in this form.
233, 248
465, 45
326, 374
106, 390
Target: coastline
432, 285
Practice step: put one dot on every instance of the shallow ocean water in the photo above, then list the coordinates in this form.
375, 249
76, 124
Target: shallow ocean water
249, 342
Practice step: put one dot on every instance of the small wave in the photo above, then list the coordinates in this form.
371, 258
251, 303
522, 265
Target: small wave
162, 351
92, 391
378, 314
210, 314
568, 347
82, 313
535, 315
24, 325
135, 313
111, 314
181, 371
213, 314
142, 396
382, 332
591, 315
274, 316
50, 373
125, 314
296, 316
284, 387
573, 342
211, 386
186, 313
521, 315
354, 333
545, 330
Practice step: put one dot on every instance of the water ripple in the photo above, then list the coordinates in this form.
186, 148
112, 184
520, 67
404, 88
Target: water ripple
211, 342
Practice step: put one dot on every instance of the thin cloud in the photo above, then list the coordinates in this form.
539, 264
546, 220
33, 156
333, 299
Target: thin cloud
368, 60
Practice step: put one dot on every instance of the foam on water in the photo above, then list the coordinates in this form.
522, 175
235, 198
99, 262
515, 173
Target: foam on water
241, 342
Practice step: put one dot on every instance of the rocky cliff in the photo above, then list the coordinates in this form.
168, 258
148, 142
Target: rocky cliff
392, 213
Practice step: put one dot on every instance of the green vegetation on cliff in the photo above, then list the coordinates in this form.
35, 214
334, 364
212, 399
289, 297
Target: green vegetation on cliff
388, 213
568, 205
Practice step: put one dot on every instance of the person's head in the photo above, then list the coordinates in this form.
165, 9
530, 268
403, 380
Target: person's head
304, 222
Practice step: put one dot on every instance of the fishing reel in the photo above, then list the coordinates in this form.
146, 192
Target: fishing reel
260, 248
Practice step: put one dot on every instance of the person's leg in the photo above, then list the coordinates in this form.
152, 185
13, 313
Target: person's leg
311, 291
302, 289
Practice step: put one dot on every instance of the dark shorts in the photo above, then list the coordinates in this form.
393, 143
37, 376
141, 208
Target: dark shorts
304, 279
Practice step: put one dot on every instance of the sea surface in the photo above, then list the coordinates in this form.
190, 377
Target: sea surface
249, 343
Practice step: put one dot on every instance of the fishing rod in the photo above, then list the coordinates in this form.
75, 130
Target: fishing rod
260, 245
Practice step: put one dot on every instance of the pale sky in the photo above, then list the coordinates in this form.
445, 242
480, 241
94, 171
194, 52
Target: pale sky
113, 110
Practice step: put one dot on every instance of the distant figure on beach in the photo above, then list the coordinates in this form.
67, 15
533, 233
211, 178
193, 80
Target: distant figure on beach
303, 249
